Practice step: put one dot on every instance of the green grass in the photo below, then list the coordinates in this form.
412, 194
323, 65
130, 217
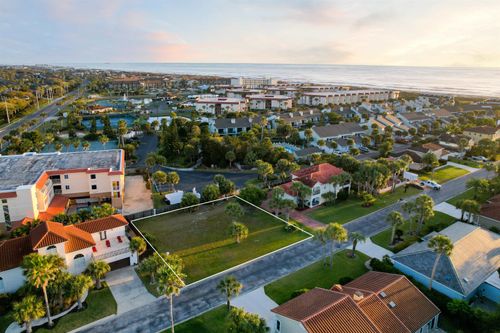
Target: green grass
5, 321
212, 321
470, 163
100, 304
444, 174
469, 194
158, 200
317, 275
440, 219
202, 238
350, 209
152, 288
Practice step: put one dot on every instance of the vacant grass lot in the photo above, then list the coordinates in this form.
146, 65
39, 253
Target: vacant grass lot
444, 174
317, 275
202, 238
440, 219
100, 304
350, 209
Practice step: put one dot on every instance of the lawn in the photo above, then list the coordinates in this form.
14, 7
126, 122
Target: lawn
350, 209
202, 238
469, 194
439, 221
100, 304
158, 200
444, 174
470, 163
5, 321
212, 321
317, 275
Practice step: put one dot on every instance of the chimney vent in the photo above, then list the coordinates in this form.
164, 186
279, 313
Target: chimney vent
358, 296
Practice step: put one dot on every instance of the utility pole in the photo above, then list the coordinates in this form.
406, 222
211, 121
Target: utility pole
6, 110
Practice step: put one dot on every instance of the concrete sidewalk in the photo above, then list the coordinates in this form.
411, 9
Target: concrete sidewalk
373, 250
461, 166
449, 209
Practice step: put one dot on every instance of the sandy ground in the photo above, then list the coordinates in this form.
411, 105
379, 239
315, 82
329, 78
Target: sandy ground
137, 196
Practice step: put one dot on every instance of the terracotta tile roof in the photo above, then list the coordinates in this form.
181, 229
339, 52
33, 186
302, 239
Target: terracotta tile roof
12, 252
106, 223
46, 234
317, 173
412, 308
78, 239
57, 205
491, 209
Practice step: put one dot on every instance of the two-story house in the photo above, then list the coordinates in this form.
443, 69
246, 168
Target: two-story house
318, 178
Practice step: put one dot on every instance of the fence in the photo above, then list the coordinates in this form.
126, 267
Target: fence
152, 212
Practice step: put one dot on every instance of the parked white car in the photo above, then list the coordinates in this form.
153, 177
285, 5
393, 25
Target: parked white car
479, 158
430, 183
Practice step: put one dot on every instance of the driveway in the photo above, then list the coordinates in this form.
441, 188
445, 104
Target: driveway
204, 296
257, 302
137, 196
128, 290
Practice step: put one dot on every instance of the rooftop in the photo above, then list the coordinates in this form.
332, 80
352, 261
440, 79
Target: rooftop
269, 97
338, 130
19, 170
491, 208
475, 256
483, 129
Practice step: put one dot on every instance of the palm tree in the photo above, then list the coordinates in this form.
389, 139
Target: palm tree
441, 245
97, 270
471, 207
239, 231
229, 287
76, 144
321, 236
478, 186
122, 130
160, 178
28, 309
58, 147
230, 156
103, 139
79, 285
170, 282
302, 191
138, 245
40, 270
356, 237
173, 179
337, 234
395, 219
85, 145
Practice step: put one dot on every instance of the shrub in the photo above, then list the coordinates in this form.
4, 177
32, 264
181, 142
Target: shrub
345, 280
299, 292
368, 200
343, 195
291, 226
253, 194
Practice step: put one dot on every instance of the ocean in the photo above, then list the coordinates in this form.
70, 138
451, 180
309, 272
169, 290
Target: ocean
441, 80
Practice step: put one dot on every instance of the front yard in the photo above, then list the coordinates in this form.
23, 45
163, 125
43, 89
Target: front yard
317, 275
444, 174
212, 321
350, 209
438, 222
202, 238
469, 194
100, 304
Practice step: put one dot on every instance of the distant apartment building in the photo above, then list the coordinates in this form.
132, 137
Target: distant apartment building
242, 93
346, 97
286, 91
78, 244
40, 185
135, 83
268, 102
483, 132
246, 82
220, 105
233, 126
297, 119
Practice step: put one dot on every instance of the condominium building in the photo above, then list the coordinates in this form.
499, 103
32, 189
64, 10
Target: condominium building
220, 105
246, 82
346, 96
40, 185
267, 102
483, 132
242, 93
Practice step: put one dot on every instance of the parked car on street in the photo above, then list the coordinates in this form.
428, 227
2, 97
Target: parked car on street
479, 158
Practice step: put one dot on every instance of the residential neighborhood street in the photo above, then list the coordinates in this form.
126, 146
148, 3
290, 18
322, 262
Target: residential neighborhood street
200, 297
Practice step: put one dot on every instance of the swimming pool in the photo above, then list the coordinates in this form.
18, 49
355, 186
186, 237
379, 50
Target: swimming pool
112, 118
94, 145
288, 147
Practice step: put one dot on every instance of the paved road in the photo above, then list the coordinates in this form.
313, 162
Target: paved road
204, 296
50, 109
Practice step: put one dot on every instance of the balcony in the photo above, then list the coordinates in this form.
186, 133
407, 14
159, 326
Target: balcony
111, 247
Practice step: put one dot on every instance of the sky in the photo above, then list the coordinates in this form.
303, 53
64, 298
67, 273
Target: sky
358, 32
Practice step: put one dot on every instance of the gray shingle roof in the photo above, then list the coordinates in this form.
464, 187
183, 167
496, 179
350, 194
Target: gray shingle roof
475, 256
338, 129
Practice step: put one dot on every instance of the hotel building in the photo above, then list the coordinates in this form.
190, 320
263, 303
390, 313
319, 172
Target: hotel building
346, 97
268, 102
220, 105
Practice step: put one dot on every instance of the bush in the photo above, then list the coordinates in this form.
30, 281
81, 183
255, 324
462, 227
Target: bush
495, 230
253, 194
291, 226
299, 292
404, 244
345, 280
368, 200
343, 195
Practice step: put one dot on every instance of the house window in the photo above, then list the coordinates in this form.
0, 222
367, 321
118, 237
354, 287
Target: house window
6, 214
67, 187
92, 176
278, 325
94, 187
116, 194
79, 261
4, 201
102, 235
66, 176
116, 185
52, 249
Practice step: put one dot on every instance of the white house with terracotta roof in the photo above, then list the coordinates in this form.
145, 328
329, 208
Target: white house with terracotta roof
220, 105
376, 302
269, 101
79, 244
318, 178
39, 185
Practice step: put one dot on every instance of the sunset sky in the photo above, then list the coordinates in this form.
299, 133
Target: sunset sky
371, 32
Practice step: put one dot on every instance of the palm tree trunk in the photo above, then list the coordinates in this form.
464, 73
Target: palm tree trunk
172, 312
354, 243
79, 303
434, 270
392, 234
49, 318
228, 304
462, 217
28, 326
98, 283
